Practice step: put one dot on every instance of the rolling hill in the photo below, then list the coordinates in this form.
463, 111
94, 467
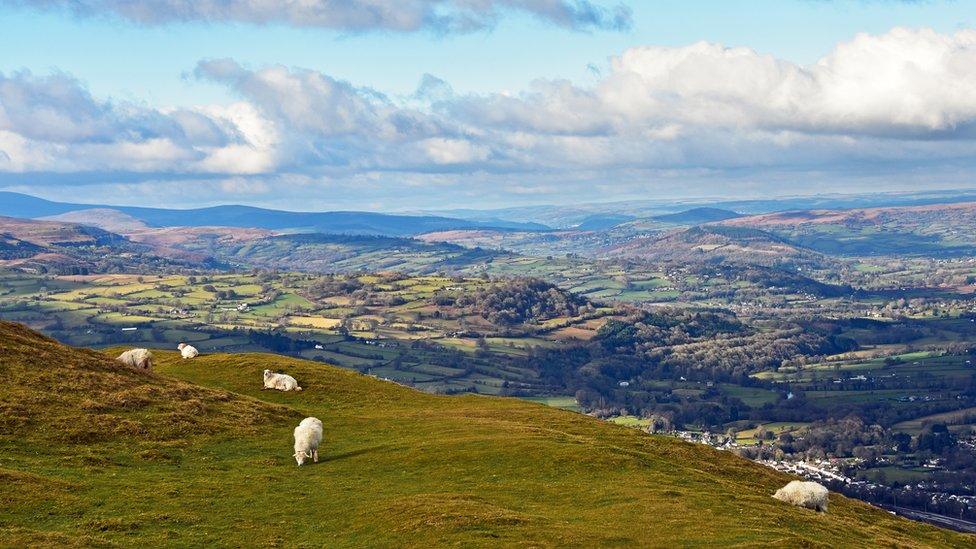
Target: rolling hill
602, 222
344, 222
45, 246
931, 230
196, 454
54, 233
715, 244
103, 218
346, 253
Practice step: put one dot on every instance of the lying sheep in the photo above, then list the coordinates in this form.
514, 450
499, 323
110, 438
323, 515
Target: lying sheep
281, 382
137, 358
188, 351
804, 494
308, 435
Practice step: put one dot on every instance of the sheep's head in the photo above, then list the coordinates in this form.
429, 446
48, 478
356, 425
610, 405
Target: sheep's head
180, 346
267, 374
300, 457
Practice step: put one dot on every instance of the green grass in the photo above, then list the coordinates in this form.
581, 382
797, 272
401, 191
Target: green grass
899, 474
631, 421
748, 436
916, 425
197, 454
563, 402
752, 396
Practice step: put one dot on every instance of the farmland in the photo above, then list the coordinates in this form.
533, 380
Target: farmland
396, 332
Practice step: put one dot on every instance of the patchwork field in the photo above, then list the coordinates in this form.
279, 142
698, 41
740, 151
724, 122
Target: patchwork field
392, 327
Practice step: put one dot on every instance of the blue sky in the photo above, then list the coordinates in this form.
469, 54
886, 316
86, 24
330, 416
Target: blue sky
475, 141
134, 61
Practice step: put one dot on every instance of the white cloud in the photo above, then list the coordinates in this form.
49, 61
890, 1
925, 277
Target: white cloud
902, 104
52, 123
453, 151
904, 84
356, 15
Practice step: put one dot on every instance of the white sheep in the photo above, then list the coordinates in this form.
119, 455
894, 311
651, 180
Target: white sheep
137, 358
308, 435
804, 494
188, 351
281, 382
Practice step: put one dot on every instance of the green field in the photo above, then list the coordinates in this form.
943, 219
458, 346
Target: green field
563, 402
748, 436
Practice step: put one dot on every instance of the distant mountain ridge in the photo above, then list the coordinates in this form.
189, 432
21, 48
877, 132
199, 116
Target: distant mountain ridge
569, 216
698, 215
930, 230
341, 222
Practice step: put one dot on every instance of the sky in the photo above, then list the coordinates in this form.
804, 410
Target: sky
397, 105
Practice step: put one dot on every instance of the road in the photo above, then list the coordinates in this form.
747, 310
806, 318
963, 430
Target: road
933, 518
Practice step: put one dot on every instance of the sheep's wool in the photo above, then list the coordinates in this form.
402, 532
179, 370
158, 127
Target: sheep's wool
810, 495
280, 382
188, 351
137, 358
308, 435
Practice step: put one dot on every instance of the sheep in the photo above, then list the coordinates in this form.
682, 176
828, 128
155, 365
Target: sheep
188, 351
804, 494
308, 435
137, 358
281, 382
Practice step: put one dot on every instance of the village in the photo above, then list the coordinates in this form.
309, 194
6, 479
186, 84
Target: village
840, 475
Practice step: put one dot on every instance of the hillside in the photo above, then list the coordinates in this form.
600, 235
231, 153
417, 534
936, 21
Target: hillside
103, 218
601, 222
931, 230
56, 233
715, 244
61, 247
197, 454
345, 253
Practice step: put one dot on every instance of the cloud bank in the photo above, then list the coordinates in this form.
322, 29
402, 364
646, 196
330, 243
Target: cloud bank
899, 104
51, 123
441, 16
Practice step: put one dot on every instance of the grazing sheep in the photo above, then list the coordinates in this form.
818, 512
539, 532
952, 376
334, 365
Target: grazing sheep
308, 435
281, 382
188, 351
804, 494
137, 358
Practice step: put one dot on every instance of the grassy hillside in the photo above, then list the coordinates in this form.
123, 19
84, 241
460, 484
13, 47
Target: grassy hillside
933, 230
93, 454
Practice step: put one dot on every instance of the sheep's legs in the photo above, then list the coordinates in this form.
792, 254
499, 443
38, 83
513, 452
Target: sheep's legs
315, 455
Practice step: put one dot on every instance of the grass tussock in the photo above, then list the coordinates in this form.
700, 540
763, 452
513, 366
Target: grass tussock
83, 397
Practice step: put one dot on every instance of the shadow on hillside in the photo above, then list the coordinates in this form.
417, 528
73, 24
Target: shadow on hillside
354, 453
